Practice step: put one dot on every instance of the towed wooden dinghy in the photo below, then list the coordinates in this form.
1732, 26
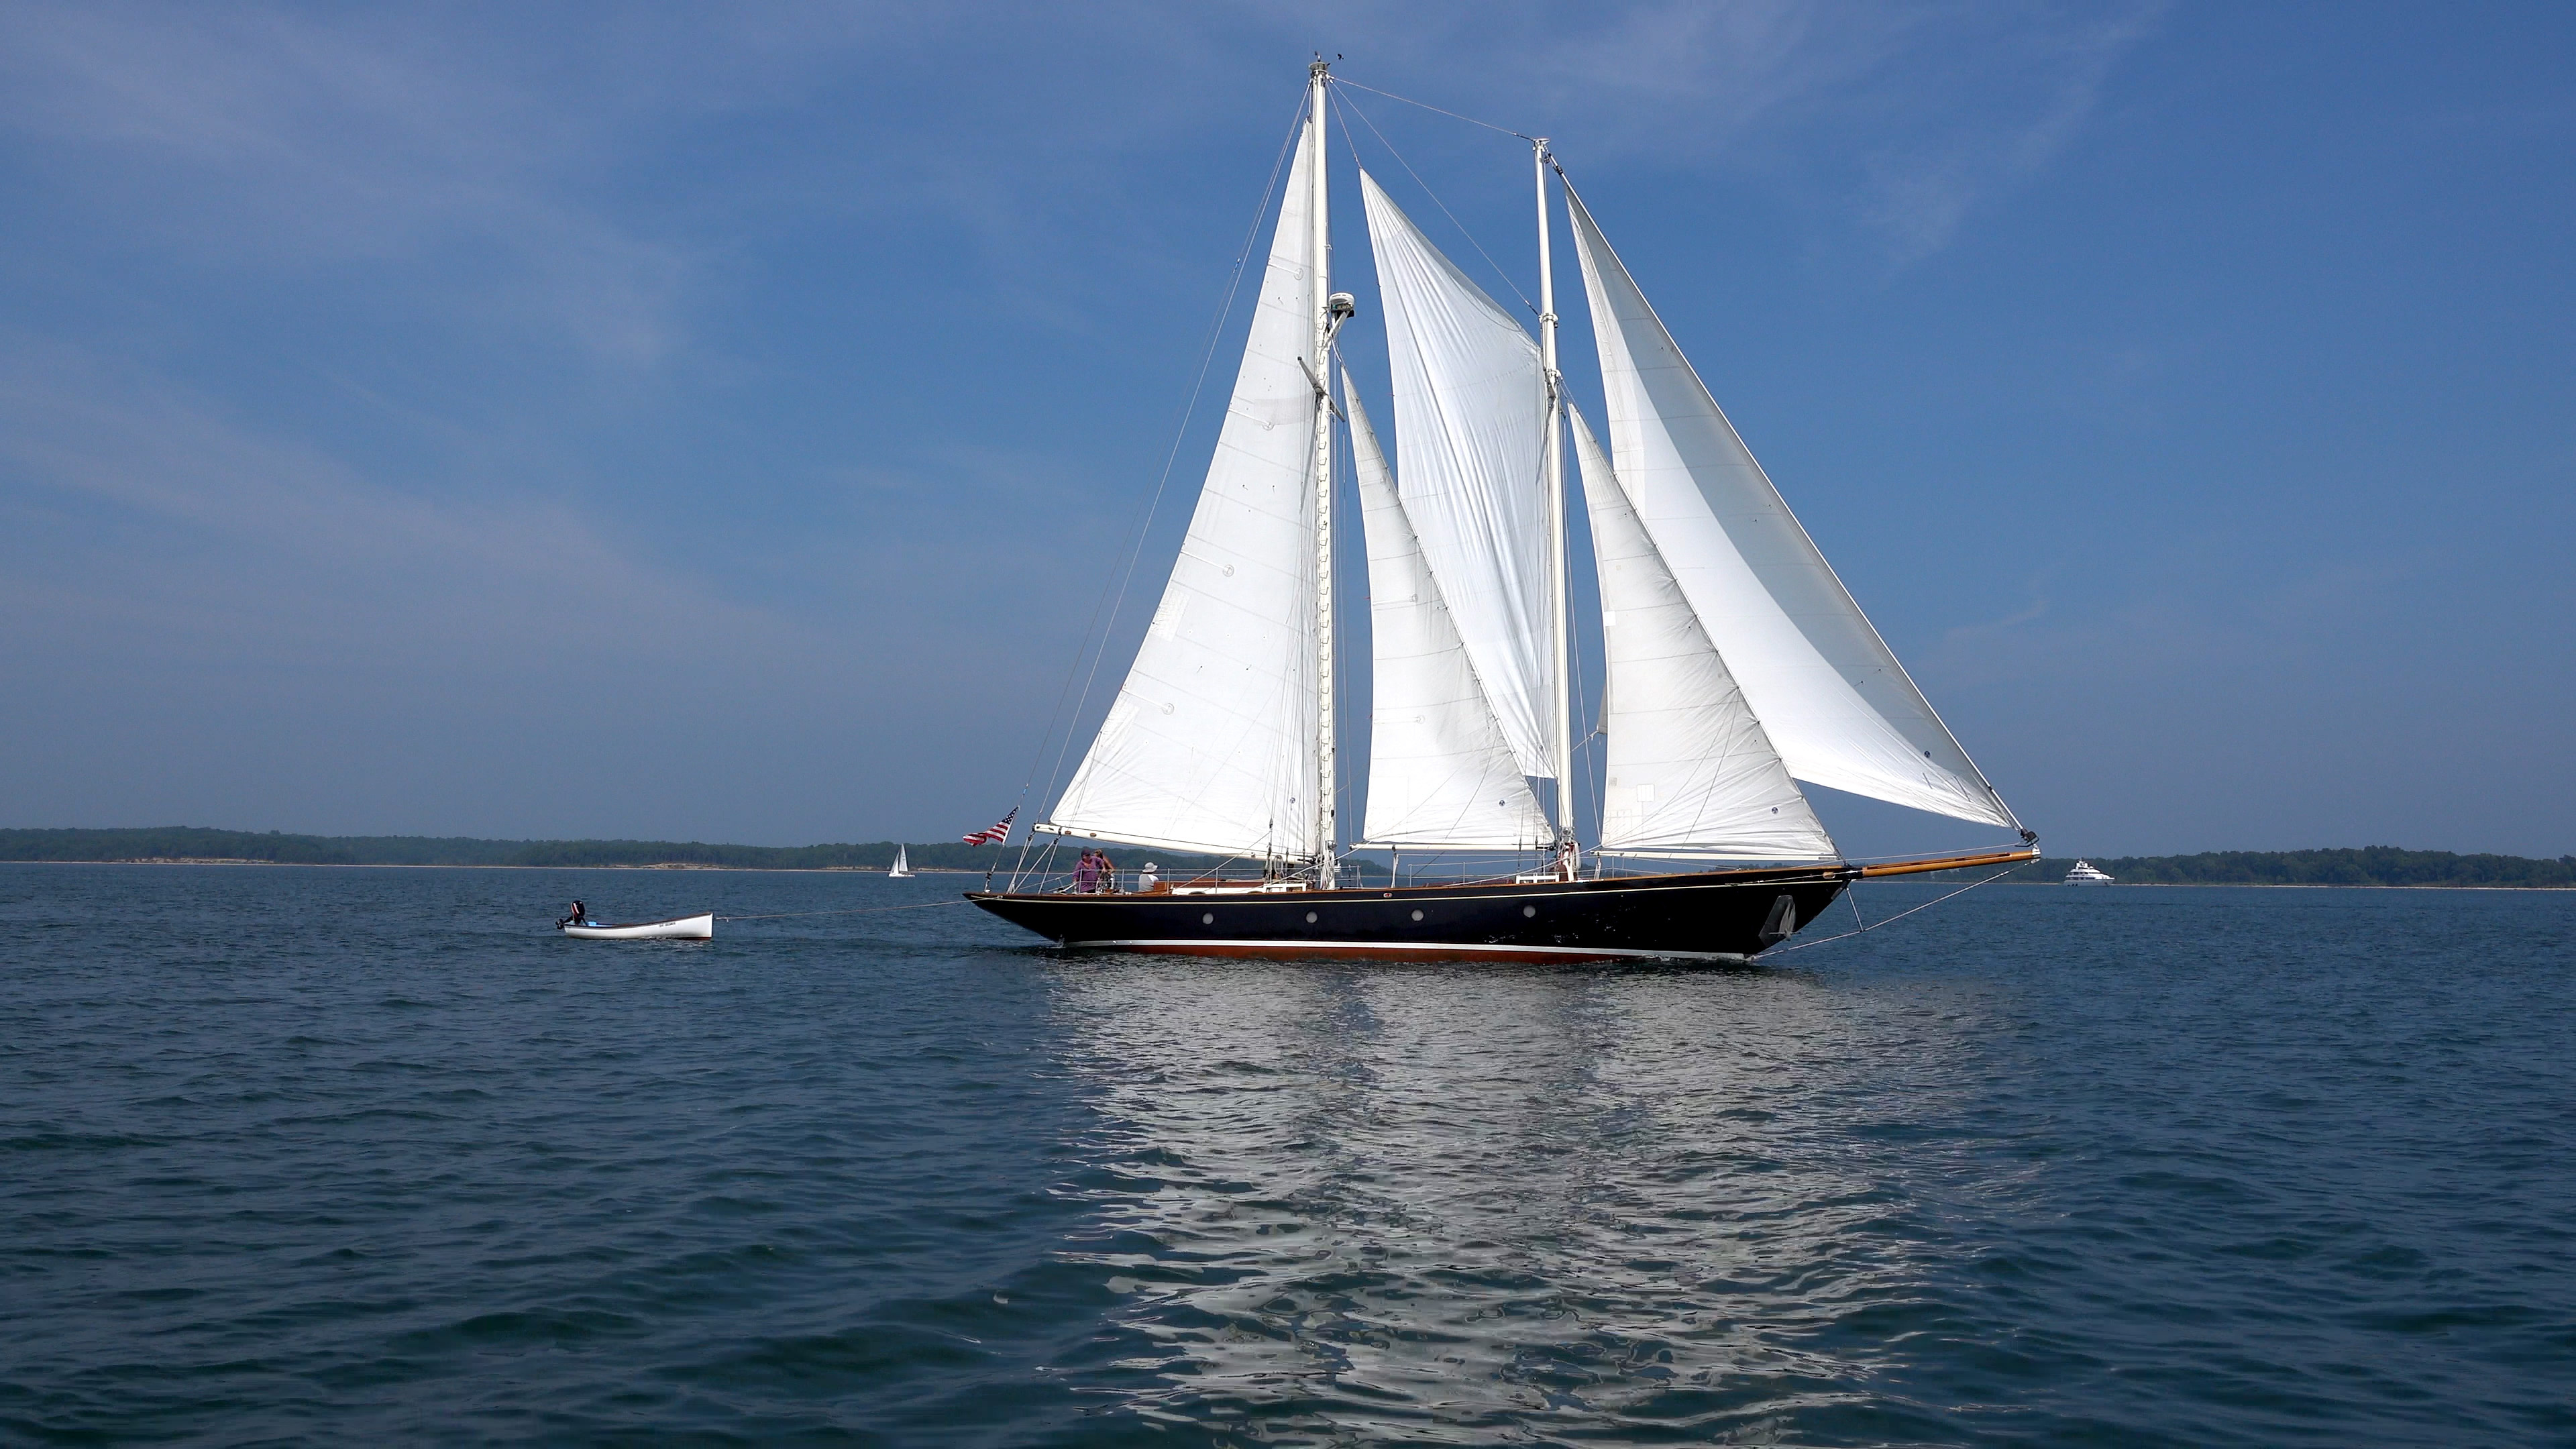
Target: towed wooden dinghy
685, 928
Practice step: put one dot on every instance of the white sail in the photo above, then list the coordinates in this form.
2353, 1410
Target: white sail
1690, 769
1833, 699
1210, 745
1470, 414
902, 864
1441, 774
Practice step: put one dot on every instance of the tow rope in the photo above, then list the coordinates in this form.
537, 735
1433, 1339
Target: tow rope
853, 911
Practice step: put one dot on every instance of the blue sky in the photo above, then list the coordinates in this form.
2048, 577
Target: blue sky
717, 422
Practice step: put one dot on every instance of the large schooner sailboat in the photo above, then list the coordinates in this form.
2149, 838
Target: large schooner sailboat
1736, 663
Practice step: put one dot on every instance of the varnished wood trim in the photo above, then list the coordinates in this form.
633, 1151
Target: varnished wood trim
1948, 862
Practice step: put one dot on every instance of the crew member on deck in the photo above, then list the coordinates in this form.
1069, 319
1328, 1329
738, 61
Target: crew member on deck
1145, 878
580, 916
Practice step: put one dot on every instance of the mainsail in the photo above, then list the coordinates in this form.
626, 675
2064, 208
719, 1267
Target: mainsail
1211, 742
1441, 774
1830, 695
1690, 770
1470, 414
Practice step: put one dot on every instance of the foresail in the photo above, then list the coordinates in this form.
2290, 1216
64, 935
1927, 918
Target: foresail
1831, 696
1210, 743
1441, 774
1470, 414
1689, 766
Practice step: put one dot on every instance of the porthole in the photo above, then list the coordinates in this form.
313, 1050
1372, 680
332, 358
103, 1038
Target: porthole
1208, 920
1310, 918
1417, 915
1529, 910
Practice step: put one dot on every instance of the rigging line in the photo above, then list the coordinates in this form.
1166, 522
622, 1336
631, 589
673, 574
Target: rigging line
1019, 870
1564, 608
1436, 201
1345, 661
1426, 105
1900, 915
1144, 524
1601, 728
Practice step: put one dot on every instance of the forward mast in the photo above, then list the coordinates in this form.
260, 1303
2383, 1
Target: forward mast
1331, 308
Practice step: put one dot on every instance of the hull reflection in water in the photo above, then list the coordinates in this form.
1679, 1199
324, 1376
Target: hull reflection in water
1446, 1204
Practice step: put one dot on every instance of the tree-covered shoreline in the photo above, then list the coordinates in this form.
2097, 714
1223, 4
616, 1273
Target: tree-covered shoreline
2377, 865
2372, 865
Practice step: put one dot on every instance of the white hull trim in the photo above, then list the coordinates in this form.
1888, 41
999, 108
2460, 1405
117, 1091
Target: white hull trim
684, 928
1398, 950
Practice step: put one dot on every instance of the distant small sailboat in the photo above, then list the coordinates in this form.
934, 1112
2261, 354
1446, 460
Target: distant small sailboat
2086, 873
902, 866
684, 928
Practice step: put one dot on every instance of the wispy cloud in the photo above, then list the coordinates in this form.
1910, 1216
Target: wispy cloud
277, 140
2048, 78
509, 148
417, 350
1911, 115
149, 518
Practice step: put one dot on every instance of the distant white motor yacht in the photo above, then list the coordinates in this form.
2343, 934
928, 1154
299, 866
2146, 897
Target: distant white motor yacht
2084, 873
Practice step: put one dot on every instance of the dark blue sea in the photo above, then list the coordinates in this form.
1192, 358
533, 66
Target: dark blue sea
337, 1156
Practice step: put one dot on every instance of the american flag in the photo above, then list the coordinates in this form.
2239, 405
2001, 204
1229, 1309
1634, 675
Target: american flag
998, 833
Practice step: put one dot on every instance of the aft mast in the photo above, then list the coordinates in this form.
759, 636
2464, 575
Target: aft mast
1552, 456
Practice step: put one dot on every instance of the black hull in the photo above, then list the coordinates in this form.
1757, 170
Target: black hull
1709, 916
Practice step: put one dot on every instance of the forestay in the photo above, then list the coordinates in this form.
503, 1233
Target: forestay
1441, 774
1690, 769
1834, 701
1470, 413
1210, 744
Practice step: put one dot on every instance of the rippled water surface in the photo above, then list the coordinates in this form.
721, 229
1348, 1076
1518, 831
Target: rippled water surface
339, 1156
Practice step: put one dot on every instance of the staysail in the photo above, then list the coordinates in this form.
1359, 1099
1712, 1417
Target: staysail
1210, 744
1470, 414
1441, 773
1690, 770
1829, 693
